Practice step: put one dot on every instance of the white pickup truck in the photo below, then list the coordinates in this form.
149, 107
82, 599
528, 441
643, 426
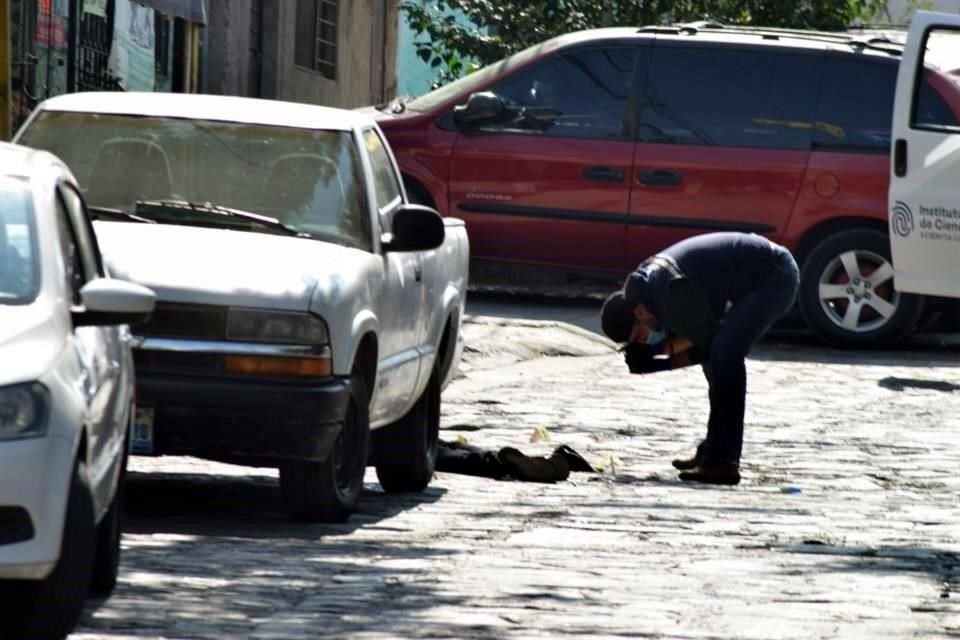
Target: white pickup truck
307, 315
925, 165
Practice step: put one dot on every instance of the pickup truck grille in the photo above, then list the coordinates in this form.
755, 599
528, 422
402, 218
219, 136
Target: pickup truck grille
194, 321
177, 363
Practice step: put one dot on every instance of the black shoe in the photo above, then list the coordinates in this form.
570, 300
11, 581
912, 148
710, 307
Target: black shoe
575, 461
686, 464
713, 473
534, 469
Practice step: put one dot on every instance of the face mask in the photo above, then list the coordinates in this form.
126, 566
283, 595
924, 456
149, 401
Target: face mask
656, 336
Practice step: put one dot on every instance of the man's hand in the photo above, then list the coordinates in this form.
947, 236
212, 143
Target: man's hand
640, 358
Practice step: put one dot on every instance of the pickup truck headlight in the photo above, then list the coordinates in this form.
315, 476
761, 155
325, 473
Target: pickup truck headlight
275, 327
23, 411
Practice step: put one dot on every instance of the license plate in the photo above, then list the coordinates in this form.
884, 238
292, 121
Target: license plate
141, 440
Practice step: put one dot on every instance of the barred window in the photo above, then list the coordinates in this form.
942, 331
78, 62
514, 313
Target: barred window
316, 38
162, 30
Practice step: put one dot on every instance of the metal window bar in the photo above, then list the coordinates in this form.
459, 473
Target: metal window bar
93, 53
326, 39
23, 63
161, 29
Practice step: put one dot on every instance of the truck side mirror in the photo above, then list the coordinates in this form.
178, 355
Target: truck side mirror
415, 228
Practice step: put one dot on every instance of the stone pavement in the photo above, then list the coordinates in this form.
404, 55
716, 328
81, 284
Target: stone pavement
846, 525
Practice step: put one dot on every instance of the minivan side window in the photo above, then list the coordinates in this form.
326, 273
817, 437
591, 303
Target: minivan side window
580, 94
856, 105
728, 97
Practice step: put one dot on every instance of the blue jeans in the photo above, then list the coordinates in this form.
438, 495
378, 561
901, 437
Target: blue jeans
726, 372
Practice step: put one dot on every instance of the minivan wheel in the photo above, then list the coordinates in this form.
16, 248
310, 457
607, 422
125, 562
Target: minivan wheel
328, 491
847, 295
51, 608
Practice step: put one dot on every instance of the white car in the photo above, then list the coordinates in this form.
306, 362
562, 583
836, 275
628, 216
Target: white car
66, 399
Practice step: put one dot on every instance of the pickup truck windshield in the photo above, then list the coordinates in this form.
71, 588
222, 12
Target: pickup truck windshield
18, 269
308, 180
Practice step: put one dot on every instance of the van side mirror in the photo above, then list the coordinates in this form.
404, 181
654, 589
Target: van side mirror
415, 228
484, 106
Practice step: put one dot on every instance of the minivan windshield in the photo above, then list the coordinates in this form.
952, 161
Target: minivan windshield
19, 274
309, 181
478, 79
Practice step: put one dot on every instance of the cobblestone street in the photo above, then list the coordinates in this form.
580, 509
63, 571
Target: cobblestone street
846, 525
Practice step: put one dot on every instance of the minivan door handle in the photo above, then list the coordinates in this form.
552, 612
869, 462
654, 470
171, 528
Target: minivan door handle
900, 157
603, 174
659, 178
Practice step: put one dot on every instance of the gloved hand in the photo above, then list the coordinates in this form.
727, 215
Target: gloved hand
640, 358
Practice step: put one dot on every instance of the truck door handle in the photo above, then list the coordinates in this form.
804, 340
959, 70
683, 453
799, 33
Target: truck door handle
418, 273
900, 157
603, 174
659, 178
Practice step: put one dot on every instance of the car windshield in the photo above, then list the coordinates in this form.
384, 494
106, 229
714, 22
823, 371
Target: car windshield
478, 79
308, 180
18, 264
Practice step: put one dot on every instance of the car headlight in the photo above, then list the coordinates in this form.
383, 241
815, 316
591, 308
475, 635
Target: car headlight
277, 327
23, 411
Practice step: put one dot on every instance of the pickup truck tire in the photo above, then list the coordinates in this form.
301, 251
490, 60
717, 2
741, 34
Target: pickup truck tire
847, 295
51, 608
328, 491
406, 451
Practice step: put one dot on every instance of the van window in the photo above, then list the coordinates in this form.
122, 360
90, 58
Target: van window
722, 96
581, 94
856, 105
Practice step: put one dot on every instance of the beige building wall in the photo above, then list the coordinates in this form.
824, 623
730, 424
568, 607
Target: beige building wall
366, 57
366, 53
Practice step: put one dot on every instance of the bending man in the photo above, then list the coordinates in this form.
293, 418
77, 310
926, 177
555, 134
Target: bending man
707, 299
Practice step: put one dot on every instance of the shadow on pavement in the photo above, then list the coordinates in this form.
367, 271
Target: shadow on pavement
242, 506
940, 564
290, 586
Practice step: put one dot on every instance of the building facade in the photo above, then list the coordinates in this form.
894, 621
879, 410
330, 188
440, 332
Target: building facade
61, 46
338, 53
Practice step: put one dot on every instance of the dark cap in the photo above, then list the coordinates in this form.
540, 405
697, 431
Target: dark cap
616, 317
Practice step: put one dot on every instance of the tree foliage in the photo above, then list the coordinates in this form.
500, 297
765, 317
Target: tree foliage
493, 29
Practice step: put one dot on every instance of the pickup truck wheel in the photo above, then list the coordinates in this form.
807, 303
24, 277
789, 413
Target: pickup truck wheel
406, 451
847, 294
50, 608
328, 491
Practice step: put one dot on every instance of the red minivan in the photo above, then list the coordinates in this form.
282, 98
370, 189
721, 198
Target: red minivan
575, 159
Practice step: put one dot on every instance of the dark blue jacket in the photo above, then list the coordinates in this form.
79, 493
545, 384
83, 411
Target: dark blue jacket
713, 270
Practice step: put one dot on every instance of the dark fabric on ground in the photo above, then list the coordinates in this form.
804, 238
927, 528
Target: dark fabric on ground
509, 463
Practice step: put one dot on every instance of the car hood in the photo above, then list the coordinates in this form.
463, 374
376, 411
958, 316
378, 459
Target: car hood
29, 342
199, 265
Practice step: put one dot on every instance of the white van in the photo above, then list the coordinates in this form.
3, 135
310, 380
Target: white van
925, 166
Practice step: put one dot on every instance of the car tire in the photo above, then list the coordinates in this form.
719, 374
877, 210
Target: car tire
406, 451
328, 491
51, 608
847, 295
106, 565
